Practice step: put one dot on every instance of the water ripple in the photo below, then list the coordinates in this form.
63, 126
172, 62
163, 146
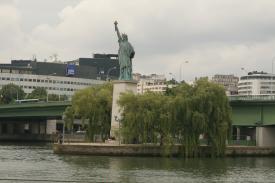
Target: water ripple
37, 163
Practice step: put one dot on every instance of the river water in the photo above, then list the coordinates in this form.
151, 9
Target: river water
37, 163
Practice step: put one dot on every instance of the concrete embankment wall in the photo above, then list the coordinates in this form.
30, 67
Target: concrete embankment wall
153, 150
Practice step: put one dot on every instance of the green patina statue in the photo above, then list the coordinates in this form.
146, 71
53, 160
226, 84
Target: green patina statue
125, 54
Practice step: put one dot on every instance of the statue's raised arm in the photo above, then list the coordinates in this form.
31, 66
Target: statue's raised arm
117, 31
125, 54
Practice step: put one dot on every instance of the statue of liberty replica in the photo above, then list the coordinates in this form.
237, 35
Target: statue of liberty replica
125, 54
125, 83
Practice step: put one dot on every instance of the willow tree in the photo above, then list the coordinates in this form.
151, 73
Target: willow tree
181, 115
94, 105
68, 117
189, 121
214, 103
145, 118
202, 108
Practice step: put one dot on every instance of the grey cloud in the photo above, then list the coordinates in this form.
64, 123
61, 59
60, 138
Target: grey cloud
216, 36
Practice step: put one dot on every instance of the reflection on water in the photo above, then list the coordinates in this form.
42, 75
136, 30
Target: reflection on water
36, 162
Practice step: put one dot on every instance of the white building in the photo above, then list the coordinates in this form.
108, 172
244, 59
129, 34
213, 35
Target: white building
61, 78
257, 83
153, 82
53, 84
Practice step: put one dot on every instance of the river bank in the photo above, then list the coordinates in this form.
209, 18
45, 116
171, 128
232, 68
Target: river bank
105, 149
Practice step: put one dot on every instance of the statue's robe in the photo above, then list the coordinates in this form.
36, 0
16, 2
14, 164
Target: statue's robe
125, 54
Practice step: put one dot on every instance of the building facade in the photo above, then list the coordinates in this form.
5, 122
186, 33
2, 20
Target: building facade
229, 82
153, 83
60, 78
257, 83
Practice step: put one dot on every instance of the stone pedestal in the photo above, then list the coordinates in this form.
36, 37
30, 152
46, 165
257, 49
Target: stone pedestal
118, 88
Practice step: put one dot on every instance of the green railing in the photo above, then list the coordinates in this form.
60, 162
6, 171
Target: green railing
232, 142
252, 97
242, 142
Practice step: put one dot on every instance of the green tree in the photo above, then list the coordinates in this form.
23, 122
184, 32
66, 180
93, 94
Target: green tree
94, 104
69, 117
63, 97
181, 115
11, 92
145, 118
38, 93
53, 97
214, 103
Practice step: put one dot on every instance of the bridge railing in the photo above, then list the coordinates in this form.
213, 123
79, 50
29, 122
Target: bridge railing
251, 97
242, 140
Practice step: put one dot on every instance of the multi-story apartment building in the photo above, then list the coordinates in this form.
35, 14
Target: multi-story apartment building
230, 83
153, 82
257, 83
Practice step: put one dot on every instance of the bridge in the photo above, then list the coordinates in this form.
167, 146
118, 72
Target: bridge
45, 110
31, 121
253, 118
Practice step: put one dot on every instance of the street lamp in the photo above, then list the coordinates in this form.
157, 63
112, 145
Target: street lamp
63, 131
181, 75
272, 61
109, 70
172, 75
118, 120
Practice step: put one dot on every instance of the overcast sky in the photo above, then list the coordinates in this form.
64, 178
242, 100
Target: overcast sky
214, 36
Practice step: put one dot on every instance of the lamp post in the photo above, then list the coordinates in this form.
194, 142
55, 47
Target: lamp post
173, 79
108, 72
272, 77
181, 74
243, 69
63, 131
118, 120
272, 64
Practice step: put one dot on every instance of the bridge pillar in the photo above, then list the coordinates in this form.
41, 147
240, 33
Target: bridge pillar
42, 127
10, 128
51, 126
265, 136
34, 128
238, 133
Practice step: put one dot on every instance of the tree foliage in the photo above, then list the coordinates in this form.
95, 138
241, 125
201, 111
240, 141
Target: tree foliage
38, 93
94, 104
180, 116
68, 117
11, 92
